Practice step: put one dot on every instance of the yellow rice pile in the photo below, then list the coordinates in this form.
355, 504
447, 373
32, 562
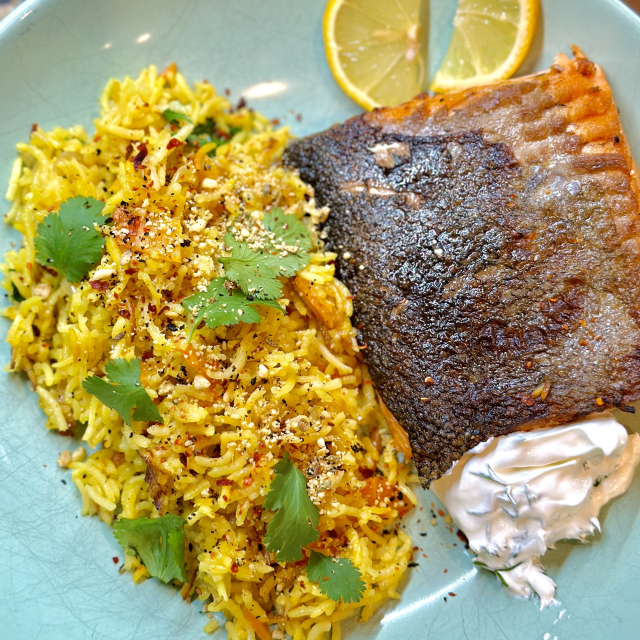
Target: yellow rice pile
259, 391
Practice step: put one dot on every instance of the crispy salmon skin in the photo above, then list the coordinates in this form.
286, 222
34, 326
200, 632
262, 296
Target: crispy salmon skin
491, 240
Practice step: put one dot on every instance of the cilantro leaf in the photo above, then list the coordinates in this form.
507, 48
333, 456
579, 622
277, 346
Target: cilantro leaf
68, 240
208, 132
255, 272
295, 524
174, 117
123, 392
289, 233
286, 251
337, 578
15, 294
158, 541
217, 306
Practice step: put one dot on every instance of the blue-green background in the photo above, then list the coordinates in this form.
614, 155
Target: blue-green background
57, 577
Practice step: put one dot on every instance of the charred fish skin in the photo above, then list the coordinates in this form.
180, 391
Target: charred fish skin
490, 240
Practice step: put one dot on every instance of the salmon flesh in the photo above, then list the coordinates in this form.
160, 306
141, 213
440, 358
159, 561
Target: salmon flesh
491, 240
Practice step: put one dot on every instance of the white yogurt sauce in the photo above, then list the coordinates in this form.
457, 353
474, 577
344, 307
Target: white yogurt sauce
515, 496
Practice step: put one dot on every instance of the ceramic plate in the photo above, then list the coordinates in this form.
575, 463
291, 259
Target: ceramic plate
57, 577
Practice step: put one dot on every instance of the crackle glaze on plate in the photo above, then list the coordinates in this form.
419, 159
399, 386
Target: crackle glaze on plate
57, 577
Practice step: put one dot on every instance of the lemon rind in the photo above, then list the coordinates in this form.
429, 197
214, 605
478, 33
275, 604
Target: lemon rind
332, 53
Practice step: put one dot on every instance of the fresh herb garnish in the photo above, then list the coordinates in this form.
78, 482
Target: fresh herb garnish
219, 306
286, 251
292, 240
295, 524
158, 541
208, 132
174, 117
337, 578
255, 272
68, 240
15, 294
123, 392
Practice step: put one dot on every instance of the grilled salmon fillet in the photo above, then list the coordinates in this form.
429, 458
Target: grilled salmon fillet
491, 240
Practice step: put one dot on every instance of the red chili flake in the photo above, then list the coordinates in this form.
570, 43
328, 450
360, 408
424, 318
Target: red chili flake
173, 143
130, 271
441, 513
138, 159
152, 308
234, 568
275, 122
34, 127
99, 285
224, 482
527, 400
247, 481
115, 559
446, 570
29, 266
299, 117
453, 595
146, 355
124, 313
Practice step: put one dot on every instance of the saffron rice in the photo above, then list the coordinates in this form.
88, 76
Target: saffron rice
234, 399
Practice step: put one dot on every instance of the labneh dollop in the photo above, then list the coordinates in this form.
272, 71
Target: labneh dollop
515, 496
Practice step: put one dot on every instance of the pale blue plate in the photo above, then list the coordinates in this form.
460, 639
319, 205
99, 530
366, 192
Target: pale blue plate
57, 577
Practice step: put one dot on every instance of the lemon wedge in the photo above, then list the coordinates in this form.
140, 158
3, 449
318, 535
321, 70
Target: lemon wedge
491, 39
374, 49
